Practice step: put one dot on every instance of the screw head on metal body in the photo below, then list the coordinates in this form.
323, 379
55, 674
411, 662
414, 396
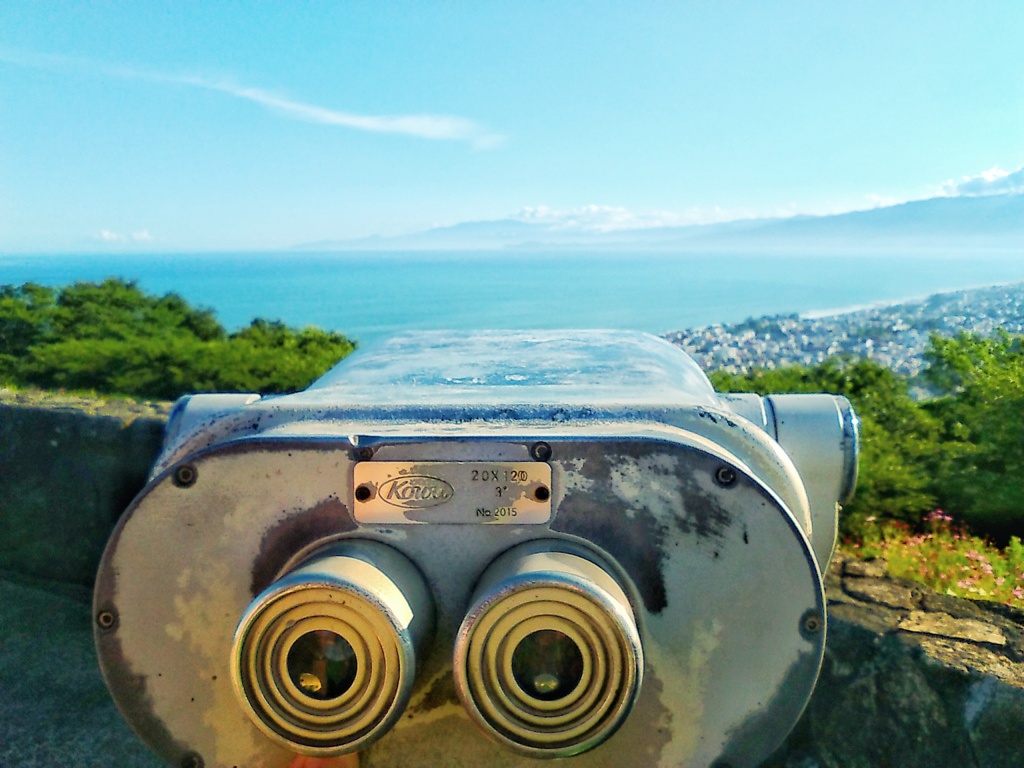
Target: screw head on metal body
185, 476
725, 476
811, 624
540, 451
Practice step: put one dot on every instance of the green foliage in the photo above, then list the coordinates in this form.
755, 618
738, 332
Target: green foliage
23, 321
962, 450
981, 382
900, 442
111, 337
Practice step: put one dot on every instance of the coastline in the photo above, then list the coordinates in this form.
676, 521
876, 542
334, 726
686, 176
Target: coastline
895, 335
368, 297
920, 298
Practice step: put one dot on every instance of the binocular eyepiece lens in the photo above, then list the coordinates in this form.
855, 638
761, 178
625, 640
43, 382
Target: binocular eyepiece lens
547, 665
322, 664
548, 659
324, 658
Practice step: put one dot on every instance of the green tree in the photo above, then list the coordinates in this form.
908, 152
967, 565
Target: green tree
120, 309
26, 318
112, 337
901, 446
981, 403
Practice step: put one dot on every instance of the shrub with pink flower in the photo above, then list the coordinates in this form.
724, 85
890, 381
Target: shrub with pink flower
946, 557
938, 516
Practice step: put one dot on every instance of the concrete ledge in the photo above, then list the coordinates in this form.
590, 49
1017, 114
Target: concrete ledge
68, 467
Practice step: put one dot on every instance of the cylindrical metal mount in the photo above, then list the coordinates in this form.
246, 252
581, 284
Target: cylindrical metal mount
548, 660
324, 659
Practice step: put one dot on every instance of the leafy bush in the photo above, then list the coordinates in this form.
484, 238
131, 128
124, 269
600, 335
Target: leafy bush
962, 450
981, 383
901, 447
111, 337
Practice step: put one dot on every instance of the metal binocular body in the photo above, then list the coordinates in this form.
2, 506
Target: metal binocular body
480, 549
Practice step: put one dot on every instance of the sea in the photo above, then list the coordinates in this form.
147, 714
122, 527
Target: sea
370, 295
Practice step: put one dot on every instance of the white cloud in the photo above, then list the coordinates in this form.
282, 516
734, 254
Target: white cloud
883, 201
612, 218
994, 181
424, 126
108, 236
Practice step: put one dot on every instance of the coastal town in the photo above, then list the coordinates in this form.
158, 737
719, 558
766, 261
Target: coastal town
894, 335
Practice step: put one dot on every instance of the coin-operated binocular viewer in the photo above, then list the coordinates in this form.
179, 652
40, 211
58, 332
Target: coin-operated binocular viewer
480, 549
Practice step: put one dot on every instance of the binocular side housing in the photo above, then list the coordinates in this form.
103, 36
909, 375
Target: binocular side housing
484, 548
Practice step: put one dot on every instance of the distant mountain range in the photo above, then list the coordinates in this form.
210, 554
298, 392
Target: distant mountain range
940, 223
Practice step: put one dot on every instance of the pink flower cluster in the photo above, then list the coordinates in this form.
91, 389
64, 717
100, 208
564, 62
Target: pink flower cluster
946, 556
938, 516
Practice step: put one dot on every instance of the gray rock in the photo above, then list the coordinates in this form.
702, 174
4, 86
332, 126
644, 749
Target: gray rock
56, 709
875, 569
911, 682
883, 592
994, 715
944, 625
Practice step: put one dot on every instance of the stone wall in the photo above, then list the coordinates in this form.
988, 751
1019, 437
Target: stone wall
911, 678
68, 468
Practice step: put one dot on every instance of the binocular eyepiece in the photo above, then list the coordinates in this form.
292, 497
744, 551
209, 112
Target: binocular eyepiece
479, 549
548, 659
324, 659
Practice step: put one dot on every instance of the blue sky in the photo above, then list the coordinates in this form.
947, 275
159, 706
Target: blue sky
187, 126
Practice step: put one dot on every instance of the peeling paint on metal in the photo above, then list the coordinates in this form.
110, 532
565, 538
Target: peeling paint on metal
693, 608
295, 531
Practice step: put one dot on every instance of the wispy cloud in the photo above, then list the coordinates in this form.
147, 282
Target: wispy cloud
994, 181
423, 126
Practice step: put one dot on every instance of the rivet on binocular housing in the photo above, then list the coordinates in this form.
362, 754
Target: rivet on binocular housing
470, 549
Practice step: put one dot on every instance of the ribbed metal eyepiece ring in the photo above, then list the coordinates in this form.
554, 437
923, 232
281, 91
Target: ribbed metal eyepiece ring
548, 660
324, 659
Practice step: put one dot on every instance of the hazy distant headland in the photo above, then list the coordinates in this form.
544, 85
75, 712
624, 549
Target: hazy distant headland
895, 336
991, 222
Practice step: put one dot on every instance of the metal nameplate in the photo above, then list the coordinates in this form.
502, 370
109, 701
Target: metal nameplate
392, 492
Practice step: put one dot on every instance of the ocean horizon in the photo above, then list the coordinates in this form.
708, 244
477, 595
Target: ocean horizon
372, 295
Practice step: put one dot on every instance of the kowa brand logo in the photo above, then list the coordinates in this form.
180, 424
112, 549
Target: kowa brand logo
415, 491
